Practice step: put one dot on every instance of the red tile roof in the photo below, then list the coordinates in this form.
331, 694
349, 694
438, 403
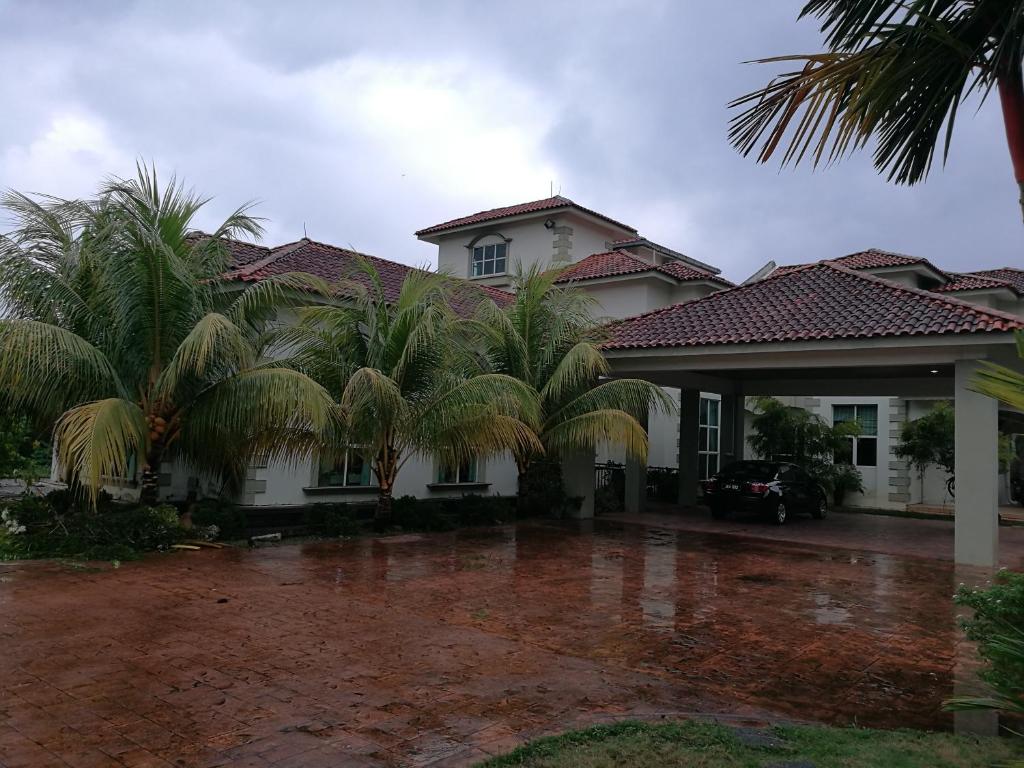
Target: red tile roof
974, 282
1014, 277
872, 258
547, 204
332, 263
614, 263
814, 302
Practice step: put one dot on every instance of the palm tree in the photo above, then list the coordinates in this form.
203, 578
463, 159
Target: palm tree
118, 330
396, 370
896, 70
548, 339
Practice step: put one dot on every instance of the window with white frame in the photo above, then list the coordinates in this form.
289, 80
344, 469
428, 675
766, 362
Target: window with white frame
451, 474
349, 470
489, 259
861, 451
709, 436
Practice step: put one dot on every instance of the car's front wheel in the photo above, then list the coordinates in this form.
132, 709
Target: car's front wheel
820, 508
780, 513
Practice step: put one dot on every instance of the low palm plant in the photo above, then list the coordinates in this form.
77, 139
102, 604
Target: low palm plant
548, 339
118, 330
402, 385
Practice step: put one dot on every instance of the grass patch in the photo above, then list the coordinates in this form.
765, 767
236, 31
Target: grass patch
689, 744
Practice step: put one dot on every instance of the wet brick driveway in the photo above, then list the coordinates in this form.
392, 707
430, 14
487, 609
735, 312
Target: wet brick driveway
442, 649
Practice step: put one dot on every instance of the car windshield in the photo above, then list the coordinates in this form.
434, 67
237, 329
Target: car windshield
750, 470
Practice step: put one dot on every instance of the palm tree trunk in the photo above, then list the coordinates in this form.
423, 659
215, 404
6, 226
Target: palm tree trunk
385, 501
1011, 98
150, 486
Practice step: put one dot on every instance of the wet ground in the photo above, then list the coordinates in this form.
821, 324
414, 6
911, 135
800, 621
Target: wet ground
443, 649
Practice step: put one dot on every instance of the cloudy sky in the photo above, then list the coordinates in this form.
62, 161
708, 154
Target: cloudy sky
363, 122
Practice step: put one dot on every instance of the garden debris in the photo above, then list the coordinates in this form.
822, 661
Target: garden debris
263, 538
185, 546
201, 543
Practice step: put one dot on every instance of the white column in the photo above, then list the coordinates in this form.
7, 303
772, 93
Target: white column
636, 480
977, 472
578, 480
689, 412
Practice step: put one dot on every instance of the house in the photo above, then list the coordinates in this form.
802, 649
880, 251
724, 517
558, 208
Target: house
630, 275
633, 278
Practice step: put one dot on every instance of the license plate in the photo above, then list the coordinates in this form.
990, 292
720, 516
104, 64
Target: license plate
731, 487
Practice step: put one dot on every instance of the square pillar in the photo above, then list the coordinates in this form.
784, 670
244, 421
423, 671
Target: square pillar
976, 423
578, 480
689, 419
636, 479
734, 418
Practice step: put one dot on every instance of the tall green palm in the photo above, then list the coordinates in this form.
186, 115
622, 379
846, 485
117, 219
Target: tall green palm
895, 70
548, 339
117, 329
395, 369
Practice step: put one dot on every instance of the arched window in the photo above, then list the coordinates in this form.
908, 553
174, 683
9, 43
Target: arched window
488, 256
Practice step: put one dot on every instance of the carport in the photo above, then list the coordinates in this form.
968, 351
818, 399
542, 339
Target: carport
822, 330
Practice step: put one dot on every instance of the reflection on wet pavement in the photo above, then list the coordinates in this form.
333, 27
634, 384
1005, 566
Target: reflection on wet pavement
455, 646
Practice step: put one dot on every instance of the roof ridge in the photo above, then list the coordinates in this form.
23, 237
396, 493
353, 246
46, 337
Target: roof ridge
930, 295
275, 253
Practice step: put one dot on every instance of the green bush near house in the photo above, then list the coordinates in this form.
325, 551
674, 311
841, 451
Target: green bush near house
542, 493
332, 520
59, 525
711, 745
998, 612
231, 520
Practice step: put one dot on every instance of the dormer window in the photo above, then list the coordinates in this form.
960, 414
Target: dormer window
489, 259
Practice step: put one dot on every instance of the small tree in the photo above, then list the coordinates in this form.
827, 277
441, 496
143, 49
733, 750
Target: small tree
928, 440
788, 433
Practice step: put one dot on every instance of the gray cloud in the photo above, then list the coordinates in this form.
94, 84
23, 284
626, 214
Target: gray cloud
364, 122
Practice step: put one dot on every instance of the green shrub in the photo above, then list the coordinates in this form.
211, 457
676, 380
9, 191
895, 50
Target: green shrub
59, 525
412, 514
998, 611
607, 500
231, 520
840, 480
332, 520
474, 509
541, 492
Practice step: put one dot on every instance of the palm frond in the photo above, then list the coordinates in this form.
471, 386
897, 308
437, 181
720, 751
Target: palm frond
46, 369
583, 432
98, 440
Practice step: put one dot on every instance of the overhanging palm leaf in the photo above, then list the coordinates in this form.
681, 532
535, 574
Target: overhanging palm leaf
896, 71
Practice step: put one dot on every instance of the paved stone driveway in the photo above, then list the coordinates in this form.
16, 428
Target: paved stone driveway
444, 649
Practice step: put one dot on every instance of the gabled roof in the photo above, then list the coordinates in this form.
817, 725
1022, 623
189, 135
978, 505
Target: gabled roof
975, 282
872, 258
331, 263
813, 302
494, 214
615, 263
1011, 275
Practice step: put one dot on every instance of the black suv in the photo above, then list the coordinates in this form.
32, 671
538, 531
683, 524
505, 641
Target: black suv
771, 488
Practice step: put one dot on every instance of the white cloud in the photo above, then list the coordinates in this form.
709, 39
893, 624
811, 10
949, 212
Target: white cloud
69, 158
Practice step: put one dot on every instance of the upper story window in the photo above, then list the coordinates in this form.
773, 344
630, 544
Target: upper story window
489, 259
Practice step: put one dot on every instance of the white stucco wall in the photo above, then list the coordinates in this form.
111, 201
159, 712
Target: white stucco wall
283, 483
